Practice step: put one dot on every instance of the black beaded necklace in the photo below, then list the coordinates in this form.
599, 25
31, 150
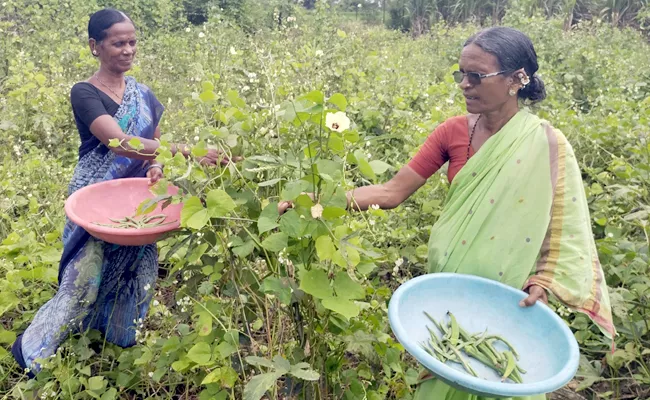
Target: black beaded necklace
472, 135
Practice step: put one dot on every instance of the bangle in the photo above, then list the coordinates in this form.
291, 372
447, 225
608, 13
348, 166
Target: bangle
155, 166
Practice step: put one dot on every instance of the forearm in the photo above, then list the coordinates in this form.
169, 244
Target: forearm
148, 149
362, 198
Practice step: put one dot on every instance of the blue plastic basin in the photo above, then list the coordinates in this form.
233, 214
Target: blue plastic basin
547, 347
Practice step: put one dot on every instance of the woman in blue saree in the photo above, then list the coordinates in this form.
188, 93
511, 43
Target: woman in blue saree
104, 286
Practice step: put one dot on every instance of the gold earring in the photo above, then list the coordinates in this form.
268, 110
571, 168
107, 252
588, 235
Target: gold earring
512, 92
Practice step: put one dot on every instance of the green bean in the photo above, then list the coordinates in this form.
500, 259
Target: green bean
454, 341
501, 339
131, 222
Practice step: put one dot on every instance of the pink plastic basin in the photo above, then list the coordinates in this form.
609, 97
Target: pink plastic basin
117, 199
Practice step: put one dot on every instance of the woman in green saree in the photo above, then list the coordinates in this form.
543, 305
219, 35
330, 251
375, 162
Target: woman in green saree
516, 211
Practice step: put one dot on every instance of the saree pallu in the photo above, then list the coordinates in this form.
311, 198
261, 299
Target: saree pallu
101, 286
517, 213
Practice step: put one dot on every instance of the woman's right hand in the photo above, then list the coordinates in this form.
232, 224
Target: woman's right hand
283, 206
215, 157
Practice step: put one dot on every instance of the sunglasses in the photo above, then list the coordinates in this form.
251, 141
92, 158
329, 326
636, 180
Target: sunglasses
474, 78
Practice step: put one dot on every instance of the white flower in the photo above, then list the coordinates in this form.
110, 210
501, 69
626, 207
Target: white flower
150, 374
245, 88
337, 121
196, 138
252, 75
147, 287
399, 262
317, 211
359, 5
156, 303
201, 34
371, 222
187, 29
319, 53
232, 51
374, 206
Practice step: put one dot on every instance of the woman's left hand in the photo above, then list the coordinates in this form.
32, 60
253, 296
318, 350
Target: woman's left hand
534, 293
154, 174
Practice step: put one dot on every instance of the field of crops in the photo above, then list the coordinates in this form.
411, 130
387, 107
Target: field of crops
249, 302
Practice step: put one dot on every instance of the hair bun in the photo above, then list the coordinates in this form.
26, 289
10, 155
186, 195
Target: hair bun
535, 91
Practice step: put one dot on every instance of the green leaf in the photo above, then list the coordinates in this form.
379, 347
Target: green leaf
315, 96
306, 374
114, 143
329, 168
276, 242
279, 287
200, 149
366, 169
232, 336
110, 394
330, 213
219, 203
596, 189
207, 85
193, 214
259, 384
96, 383
294, 189
287, 111
212, 377
335, 143
208, 96
40, 79
316, 283
341, 34
291, 224
325, 248
422, 251
304, 201
379, 167
235, 100
200, 354
226, 376
311, 151
268, 217
245, 249
259, 362
181, 365
338, 100
204, 323
342, 306
7, 336
281, 364
225, 349
270, 182
135, 143
346, 288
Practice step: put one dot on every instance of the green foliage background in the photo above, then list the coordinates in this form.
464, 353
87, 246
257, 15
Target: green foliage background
249, 302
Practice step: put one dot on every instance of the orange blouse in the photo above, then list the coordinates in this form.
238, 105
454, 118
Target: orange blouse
448, 142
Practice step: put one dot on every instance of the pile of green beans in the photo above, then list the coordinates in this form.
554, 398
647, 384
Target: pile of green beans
455, 342
134, 222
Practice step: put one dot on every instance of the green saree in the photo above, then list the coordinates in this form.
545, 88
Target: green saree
517, 213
